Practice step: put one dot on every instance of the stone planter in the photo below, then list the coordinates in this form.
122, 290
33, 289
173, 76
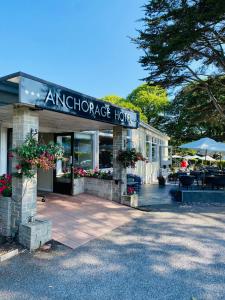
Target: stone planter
130, 200
5, 216
78, 186
35, 234
99, 187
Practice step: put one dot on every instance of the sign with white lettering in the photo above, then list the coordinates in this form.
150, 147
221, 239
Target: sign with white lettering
50, 97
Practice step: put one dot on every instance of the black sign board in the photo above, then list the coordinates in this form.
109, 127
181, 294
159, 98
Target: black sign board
59, 99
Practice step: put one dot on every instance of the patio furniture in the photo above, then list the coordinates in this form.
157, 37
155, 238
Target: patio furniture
208, 181
186, 181
218, 182
197, 175
134, 181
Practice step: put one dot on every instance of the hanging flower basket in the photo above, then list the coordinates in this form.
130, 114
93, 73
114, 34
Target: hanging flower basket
32, 155
129, 157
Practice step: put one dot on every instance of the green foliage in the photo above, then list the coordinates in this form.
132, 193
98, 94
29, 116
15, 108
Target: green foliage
183, 41
125, 104
152, 100
129, 157
192, 117
31, 155
149, 101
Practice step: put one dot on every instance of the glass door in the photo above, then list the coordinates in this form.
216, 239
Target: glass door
63, 175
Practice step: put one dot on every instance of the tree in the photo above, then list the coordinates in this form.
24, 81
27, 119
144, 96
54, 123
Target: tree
184, 42
117, 100
152, 100
191, 117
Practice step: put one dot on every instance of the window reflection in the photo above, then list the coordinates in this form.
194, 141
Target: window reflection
83, 150
63, 166
105, 151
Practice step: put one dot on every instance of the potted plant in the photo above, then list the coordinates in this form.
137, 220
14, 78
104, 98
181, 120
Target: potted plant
129, 157
131, 199
161, 180
78, 184
32, 155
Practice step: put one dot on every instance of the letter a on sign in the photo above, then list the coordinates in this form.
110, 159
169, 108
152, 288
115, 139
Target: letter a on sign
49, 97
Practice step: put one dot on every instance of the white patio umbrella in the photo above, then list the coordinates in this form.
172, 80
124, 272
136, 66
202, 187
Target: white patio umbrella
220, 147
207, 157
176, 156
206, 144
189, 157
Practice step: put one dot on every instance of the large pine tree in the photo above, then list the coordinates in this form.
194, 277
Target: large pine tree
184, 42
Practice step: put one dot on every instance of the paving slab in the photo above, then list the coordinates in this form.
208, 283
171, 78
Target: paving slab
77, 220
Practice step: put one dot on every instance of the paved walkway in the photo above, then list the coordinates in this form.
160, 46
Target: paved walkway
79, 219
158, 256
153, 194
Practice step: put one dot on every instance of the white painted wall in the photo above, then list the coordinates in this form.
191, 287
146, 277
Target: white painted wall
3, 150
149, 169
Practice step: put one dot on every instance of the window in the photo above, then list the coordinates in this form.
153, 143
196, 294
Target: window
154, 152
129, 139
83, 150
148, 147
105, 151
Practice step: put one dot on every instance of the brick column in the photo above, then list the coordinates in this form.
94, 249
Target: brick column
24, 190
119, 172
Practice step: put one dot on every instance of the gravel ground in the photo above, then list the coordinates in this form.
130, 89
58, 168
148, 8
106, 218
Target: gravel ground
167, 254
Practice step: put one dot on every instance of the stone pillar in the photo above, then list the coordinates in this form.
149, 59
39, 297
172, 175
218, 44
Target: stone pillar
119, 172
24, 190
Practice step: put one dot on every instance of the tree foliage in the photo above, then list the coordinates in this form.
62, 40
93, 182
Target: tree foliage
191, 117
117, 100
183, 42
149, 101
152, 100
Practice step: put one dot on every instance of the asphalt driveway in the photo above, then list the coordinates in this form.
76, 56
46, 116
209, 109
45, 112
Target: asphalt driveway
161, 255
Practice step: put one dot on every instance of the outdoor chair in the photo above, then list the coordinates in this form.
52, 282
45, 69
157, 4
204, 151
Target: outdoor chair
208, 181
178, 175
198, 176
186, 181
218, 182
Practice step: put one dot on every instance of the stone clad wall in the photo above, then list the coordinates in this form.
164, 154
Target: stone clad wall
24, 191
5, 216
119, 172
94, 186
35, 234
99, 187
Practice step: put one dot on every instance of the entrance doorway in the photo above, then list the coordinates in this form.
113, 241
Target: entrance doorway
63, 175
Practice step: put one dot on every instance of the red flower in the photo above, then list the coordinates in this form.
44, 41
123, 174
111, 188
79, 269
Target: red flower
130, 190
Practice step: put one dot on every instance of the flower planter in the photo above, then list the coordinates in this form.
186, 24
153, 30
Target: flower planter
78, 186
5, 216
130, 200
104, 188
99, 187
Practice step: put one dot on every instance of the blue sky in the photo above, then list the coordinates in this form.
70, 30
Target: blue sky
81, 44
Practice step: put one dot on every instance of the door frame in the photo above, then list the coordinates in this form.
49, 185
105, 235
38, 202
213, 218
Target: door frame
65, 187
